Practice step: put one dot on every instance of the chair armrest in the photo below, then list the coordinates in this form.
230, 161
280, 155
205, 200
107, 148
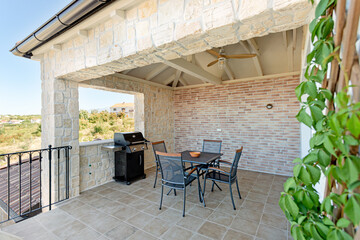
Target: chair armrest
192, 170
219, 170
226, 162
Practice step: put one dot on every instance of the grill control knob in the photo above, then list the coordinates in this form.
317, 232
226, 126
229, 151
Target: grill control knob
142, 148
134, 149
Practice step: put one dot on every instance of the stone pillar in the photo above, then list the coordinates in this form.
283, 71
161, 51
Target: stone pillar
59, 127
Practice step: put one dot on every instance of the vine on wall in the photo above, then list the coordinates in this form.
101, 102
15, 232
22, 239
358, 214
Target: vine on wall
334, 115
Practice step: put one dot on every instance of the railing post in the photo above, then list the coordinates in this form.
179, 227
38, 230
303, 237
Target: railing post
20, 184
30, 180
8, 186
67, 171
49, 177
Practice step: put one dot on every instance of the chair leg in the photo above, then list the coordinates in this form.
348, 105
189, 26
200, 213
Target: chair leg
212, 187
203, 192
184, 201
231, 194
237, 186
174, 191
217, 186
156, 174
169, 191
161, 198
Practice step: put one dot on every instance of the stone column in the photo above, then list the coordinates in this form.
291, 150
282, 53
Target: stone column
59, 127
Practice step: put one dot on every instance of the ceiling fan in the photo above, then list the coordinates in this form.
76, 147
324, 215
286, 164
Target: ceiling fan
221, 57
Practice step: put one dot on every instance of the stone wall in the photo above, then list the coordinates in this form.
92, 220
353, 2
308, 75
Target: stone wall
271, 138
96, 165
157, 105
154, 31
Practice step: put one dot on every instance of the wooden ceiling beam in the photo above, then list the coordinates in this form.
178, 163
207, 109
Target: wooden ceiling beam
294, 39
255, 59
228, 71
290, 55
156, 71
176, 79
182, 80
254, 46
135, 79
169, 79
285, 39
193, 70
126, 71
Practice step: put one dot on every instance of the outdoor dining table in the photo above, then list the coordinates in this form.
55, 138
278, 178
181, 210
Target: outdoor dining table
205, 158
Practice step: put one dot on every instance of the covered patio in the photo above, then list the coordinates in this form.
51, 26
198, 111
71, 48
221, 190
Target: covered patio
159, 51
117, 211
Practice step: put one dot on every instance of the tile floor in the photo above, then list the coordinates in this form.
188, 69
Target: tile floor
117, 211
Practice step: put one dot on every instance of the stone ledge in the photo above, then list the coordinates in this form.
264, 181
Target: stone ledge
96, 142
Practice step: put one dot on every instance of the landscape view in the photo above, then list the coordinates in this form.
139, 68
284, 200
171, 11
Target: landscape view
23, 132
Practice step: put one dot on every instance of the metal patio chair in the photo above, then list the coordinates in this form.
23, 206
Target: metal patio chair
212, 146
220, 175
173, 174
160, 147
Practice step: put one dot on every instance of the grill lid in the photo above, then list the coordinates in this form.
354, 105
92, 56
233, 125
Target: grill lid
130, 138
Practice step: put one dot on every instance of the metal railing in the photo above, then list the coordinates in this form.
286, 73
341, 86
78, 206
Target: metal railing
23, 190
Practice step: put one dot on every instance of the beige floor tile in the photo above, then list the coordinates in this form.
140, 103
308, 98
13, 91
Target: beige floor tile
54, 219
101, 222
257, 197
250, 214
221, 218
177, 233
248, 204
140, 220
171, 215
270, 233
273, 209
116, 195
156, 227
72, 205
140, 204
199, 237
153, 197
85, 234
245, 226
128, 199
69, 229
232, 234
200, 212
274, 221
212, 230
153, 209
124, 212
141, 192
191, 223
140, 235
122, 231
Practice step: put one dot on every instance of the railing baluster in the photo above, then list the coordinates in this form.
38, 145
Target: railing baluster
58, 173
8, 186
19, 184
49, 177
67, 171
40, 169
30, 169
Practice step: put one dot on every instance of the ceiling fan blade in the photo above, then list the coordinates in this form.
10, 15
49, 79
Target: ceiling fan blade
212, 63
212, 52
240, 56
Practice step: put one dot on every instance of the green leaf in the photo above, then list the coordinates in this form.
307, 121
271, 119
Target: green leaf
301, 219
353, 124
315, 173
282, 203
324, 158
350, 140
310, 88
352, 210
322, 229
297, 160
296, 170
328, 222
329, 146
315, 233
289, 184
304, 176
303, 117
341, 99
354, 185
342, 223
332, 235
323, 52
327, 26
299, 90
352, 172
307, 201
298, 234
291, 206
335, 125
311, 157
321, 7
327, 93
316, 113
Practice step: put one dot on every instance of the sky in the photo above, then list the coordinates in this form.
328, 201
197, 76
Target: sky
20, 80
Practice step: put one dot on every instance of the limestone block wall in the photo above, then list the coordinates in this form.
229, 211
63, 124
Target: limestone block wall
158, 109
59, 125
96, 165
270, 137
154, 31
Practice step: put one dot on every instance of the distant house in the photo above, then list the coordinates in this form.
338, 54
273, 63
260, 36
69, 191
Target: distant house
15, 121
36, 120
127, 108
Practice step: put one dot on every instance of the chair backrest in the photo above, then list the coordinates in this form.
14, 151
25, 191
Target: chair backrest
171, 167
160, 147
235, 163
212, 146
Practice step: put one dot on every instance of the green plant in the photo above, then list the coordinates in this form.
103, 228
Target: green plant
335, 117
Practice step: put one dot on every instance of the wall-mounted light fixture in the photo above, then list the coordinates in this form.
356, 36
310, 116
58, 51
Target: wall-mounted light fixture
269, 106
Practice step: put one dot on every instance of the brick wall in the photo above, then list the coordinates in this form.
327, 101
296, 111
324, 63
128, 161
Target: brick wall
271, 138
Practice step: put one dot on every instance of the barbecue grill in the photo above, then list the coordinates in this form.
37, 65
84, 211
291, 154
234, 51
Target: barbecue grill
129, 158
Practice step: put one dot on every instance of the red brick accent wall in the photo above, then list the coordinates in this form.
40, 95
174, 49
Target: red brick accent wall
271, 138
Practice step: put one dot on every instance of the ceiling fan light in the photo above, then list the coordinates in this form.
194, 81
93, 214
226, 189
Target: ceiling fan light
221, 63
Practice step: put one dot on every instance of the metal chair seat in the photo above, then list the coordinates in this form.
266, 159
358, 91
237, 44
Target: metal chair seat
220, 177
188, 180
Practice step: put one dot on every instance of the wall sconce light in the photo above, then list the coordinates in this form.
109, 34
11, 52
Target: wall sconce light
269, 106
